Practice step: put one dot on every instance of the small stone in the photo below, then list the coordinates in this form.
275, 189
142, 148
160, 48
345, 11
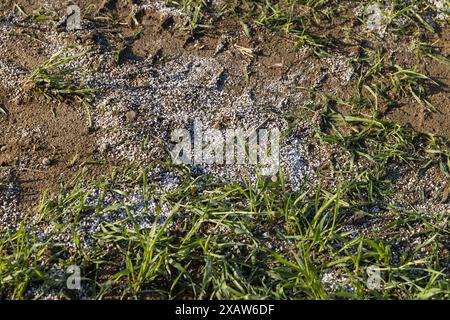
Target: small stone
46, 162
219, 48
104, 147
445, 195
3, 148
131, 116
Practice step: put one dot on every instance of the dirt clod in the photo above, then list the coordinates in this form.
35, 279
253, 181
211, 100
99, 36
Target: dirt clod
131, 116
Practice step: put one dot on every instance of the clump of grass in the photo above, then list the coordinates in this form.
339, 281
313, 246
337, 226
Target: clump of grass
56, 80
382, 84
41, 16
21, 263
424, 49
289, 17
197, 21
413, 83
383, 142
374, 140
438, 149
407, 17
249, 240
293, 18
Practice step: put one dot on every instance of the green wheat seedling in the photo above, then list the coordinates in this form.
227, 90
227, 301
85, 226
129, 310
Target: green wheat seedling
438, 149
371, 80
374, 140
221, 247
20, 262
284, 18
424, 49
412, 12
195, 9
383, 142
55, 80
413, 83
386, 84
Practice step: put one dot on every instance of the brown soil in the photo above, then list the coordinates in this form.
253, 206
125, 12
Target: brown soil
408, 113
42, 143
